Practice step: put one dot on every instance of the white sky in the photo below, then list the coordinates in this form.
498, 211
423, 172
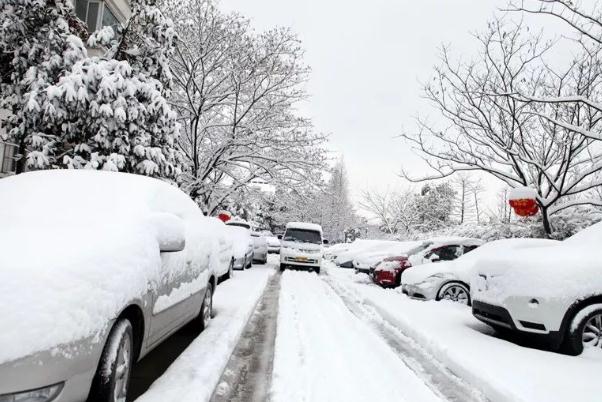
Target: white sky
368, 59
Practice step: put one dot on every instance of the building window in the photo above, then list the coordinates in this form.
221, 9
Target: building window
96, 14
7, 158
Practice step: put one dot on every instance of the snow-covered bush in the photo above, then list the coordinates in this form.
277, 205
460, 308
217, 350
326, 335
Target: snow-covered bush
38, 43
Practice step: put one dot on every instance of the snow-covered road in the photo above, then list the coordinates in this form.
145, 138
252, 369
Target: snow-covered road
325, 353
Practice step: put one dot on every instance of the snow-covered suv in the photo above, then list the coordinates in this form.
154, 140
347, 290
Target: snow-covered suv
554, 293
302, 246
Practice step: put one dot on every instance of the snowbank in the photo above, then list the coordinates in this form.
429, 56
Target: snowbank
193, 376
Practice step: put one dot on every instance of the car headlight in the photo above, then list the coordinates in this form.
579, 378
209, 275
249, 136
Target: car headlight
45, 394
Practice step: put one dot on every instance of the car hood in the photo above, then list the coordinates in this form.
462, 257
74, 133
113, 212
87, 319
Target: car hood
63, 282
301, 246
565, 270
419, 273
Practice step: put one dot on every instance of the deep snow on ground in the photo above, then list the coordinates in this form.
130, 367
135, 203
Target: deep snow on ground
195, 373
503, 370
324, 353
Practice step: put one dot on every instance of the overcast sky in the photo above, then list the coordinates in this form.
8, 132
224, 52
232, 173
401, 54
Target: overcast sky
368, 59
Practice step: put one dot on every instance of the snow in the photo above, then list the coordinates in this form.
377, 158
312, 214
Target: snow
193, 376
369, 258
569, 270
324, 353
503, 370
584, 313
363, 246
464, 268
304, 226
77, 247
182, 292
522, 193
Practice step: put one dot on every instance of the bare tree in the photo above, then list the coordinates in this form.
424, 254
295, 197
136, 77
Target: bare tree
379, 204
511, 138
236, 92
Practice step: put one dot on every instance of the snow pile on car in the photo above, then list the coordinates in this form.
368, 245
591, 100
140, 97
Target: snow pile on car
76, 247
365, 246
574, 263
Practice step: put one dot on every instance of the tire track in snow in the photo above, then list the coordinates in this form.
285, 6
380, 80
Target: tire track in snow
247, 376
435, 374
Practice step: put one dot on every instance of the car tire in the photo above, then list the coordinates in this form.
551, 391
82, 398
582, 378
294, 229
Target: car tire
581, 328
250, 262
317, 271
282, 267
112, 378
454, 291
206, 309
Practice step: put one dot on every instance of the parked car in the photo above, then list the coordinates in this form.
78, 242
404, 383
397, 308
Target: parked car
239, 223
260, 248
450, 280
334, 250
553, 294
98, 268
223, 255
390, 274
345, 257
367, 260
273, 244
242, 246
302, 246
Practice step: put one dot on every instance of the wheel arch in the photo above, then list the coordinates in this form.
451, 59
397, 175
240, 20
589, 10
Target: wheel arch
574, 309
134, 314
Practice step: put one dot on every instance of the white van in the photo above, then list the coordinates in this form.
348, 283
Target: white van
301, 246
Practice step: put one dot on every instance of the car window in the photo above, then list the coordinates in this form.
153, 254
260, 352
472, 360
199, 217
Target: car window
446, 253
469, 248
303, 236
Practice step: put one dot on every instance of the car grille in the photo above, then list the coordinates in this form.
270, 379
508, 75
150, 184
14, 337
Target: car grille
301, 260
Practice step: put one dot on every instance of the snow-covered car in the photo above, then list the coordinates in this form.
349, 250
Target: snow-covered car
242, 246
273, 244
301, 246
260, 248
552, 293
450, 280
223, 257
390, 274
366, 261
334, 250
239, 223
344, 258
97, 269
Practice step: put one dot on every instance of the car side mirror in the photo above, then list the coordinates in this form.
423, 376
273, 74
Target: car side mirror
279, 237
169, 232
325, 241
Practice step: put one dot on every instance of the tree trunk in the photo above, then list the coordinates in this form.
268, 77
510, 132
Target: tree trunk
546, 221
21, 164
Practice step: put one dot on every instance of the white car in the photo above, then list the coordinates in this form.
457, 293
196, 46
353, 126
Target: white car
302, 246
450, 280
242, 246
344, 258
273, 244
260, 248
97, 269
552, 293
223, 252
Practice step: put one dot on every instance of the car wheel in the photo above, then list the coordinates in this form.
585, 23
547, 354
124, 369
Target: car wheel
456, 292
112, 378
584, 331
282, 267
206, 309
250, 262
317, 271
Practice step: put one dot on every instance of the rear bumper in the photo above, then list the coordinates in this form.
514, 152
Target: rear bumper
500, 318
385, 278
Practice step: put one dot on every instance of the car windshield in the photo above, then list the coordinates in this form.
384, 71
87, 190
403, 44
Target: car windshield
303, 236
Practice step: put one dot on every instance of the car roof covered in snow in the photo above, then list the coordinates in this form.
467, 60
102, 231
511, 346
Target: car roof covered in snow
444, 241
304, 226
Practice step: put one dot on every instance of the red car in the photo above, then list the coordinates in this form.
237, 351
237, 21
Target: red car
387, 273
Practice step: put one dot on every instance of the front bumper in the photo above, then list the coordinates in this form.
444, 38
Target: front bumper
500, 318
75, 369
420, 292
385, 278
